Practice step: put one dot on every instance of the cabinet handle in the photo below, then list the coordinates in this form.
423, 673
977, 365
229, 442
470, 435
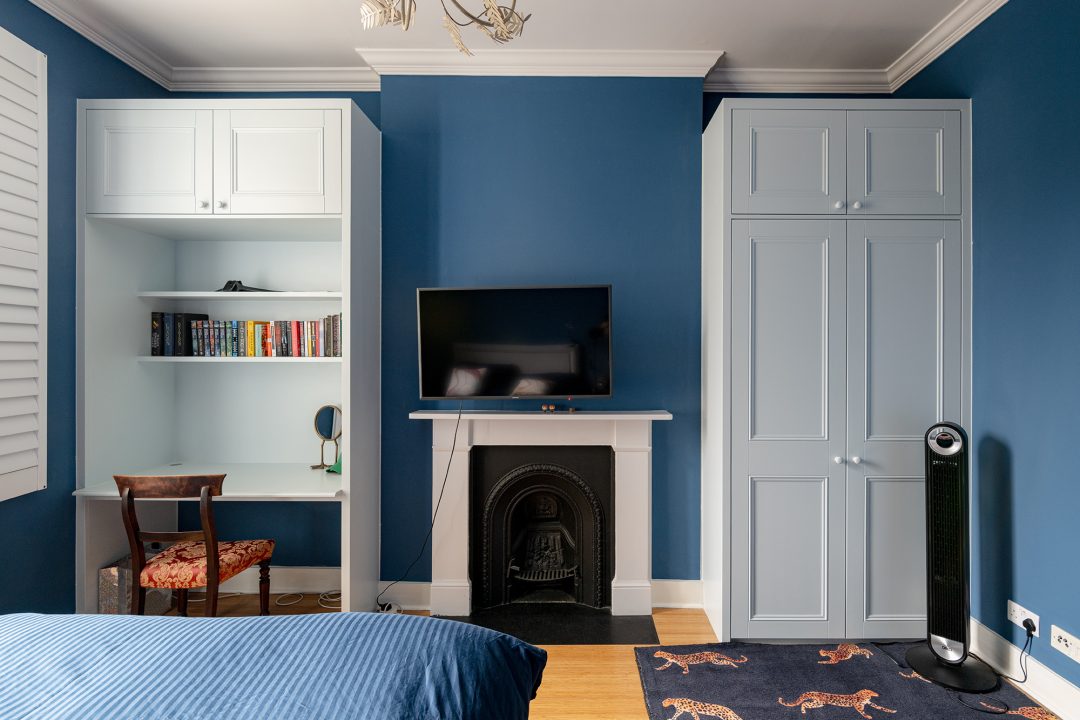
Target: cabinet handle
221, 204
204, 204
838, 460
856, 460
839, 205
856, 205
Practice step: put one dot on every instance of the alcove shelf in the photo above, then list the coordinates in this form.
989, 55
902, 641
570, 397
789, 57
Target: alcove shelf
240, 296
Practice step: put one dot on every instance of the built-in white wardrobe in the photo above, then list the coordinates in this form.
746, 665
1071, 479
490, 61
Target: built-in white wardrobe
175, 198
836, 255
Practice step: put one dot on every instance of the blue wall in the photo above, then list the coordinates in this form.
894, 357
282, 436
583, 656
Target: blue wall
1026, 325
37, 531
491, 181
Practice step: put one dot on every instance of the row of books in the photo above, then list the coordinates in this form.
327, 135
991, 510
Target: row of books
196, 335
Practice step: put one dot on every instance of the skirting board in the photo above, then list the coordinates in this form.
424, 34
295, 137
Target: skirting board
416, 595
1043, 685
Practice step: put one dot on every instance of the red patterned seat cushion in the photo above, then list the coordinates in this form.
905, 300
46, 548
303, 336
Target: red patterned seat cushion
183, 565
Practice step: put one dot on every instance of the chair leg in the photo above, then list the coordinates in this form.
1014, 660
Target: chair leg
211, 600
181, 602
138, 598
264, 587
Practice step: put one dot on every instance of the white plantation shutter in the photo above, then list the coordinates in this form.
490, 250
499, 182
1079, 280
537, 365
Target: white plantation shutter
22, 267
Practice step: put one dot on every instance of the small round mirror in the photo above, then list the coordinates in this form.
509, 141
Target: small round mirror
328, 428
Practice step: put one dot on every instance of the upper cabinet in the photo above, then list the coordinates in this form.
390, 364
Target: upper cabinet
837, 162
265, 161
904, 162
787, 162
277, 161
149, 161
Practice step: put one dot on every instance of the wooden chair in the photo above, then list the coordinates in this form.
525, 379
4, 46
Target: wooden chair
196, 559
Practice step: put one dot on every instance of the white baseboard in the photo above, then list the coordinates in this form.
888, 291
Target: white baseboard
678, 594
1043, 684
417, 595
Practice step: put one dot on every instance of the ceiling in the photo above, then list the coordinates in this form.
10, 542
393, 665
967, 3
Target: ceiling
747, 45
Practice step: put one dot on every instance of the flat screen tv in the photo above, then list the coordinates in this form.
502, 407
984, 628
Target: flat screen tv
537, 342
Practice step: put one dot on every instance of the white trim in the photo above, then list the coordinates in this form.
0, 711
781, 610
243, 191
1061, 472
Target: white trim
796, 80
677, 594
957, 24
562, 63
126, 48
273, 79
510, 61
287, 579
1043, 685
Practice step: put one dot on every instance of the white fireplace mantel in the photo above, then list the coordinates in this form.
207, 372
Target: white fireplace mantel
628, 433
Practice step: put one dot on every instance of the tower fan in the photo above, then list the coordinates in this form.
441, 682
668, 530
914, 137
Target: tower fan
944, 657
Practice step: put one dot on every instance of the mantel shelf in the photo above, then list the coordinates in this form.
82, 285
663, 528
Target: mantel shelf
511, 415
203, 359
239, 296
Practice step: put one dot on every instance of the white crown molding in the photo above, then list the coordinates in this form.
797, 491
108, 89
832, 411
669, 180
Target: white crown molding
957, 24
125, 48
273, 79
559, 63
509, 61
791, 80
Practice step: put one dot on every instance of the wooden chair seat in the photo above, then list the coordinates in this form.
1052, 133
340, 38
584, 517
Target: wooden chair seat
183, 565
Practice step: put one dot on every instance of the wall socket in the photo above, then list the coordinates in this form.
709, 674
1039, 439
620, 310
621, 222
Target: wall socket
1017, 614
1066, 643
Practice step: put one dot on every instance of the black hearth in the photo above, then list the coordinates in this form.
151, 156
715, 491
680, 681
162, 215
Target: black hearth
541, 526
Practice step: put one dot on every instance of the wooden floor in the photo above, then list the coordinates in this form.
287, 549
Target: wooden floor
581, 682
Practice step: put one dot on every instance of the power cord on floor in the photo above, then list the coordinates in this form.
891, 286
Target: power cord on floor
1001, 707
389, 607
330, 600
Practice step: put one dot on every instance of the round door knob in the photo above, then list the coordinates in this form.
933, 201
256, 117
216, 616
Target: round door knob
221, 204
856, 460
204, 204
839, 205
838, 460
856, 205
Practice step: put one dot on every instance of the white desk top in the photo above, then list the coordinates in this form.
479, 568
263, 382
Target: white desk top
244, 481
539, 415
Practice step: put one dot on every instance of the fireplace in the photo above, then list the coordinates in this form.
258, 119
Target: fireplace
541, 525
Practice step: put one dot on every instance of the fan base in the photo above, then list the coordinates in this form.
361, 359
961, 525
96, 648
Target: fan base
971, 676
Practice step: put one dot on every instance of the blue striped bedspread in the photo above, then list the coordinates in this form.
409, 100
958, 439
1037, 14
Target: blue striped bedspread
335, 666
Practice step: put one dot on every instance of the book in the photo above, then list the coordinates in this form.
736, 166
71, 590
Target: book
250, 337
168, 335
186, 340
156, 321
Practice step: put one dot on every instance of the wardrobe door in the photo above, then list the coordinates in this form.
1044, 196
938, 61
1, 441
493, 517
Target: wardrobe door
788, 162
904, 162
905, 310
788, 389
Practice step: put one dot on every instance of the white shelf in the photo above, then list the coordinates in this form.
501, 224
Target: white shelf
203, 359
652, 415
229, 228
243, 481
239, 296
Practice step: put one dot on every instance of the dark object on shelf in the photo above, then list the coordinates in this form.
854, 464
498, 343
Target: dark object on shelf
944, 657
157, 321
237, 286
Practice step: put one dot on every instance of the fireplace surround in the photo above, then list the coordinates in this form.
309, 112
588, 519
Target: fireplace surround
627, 435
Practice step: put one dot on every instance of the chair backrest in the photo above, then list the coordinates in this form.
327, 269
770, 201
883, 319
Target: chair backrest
169, 487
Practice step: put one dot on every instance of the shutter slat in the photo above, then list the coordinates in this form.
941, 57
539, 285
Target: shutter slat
23, 223
19, 132
19, 461
10, 407
14, 369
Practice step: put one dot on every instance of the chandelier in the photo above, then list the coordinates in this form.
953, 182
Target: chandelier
500, 23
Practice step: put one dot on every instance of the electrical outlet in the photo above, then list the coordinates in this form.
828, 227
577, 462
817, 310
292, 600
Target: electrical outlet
1017, 614
1066, 643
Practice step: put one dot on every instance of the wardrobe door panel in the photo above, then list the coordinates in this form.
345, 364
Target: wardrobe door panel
904, 374
788, 162
788, 304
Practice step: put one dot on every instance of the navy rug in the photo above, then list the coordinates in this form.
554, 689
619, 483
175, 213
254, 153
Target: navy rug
745, 681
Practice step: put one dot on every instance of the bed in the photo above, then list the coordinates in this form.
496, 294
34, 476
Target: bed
333, 666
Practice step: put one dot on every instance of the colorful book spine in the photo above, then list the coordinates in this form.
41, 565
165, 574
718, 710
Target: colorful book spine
156, 321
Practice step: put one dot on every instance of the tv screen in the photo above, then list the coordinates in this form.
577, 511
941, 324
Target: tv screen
515, 342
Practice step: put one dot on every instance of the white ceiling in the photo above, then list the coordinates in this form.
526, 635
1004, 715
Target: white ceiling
812, 45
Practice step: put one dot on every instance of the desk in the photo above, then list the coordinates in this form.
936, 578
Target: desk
100, 538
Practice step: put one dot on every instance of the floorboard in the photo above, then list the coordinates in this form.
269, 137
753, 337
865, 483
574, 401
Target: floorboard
581, 682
